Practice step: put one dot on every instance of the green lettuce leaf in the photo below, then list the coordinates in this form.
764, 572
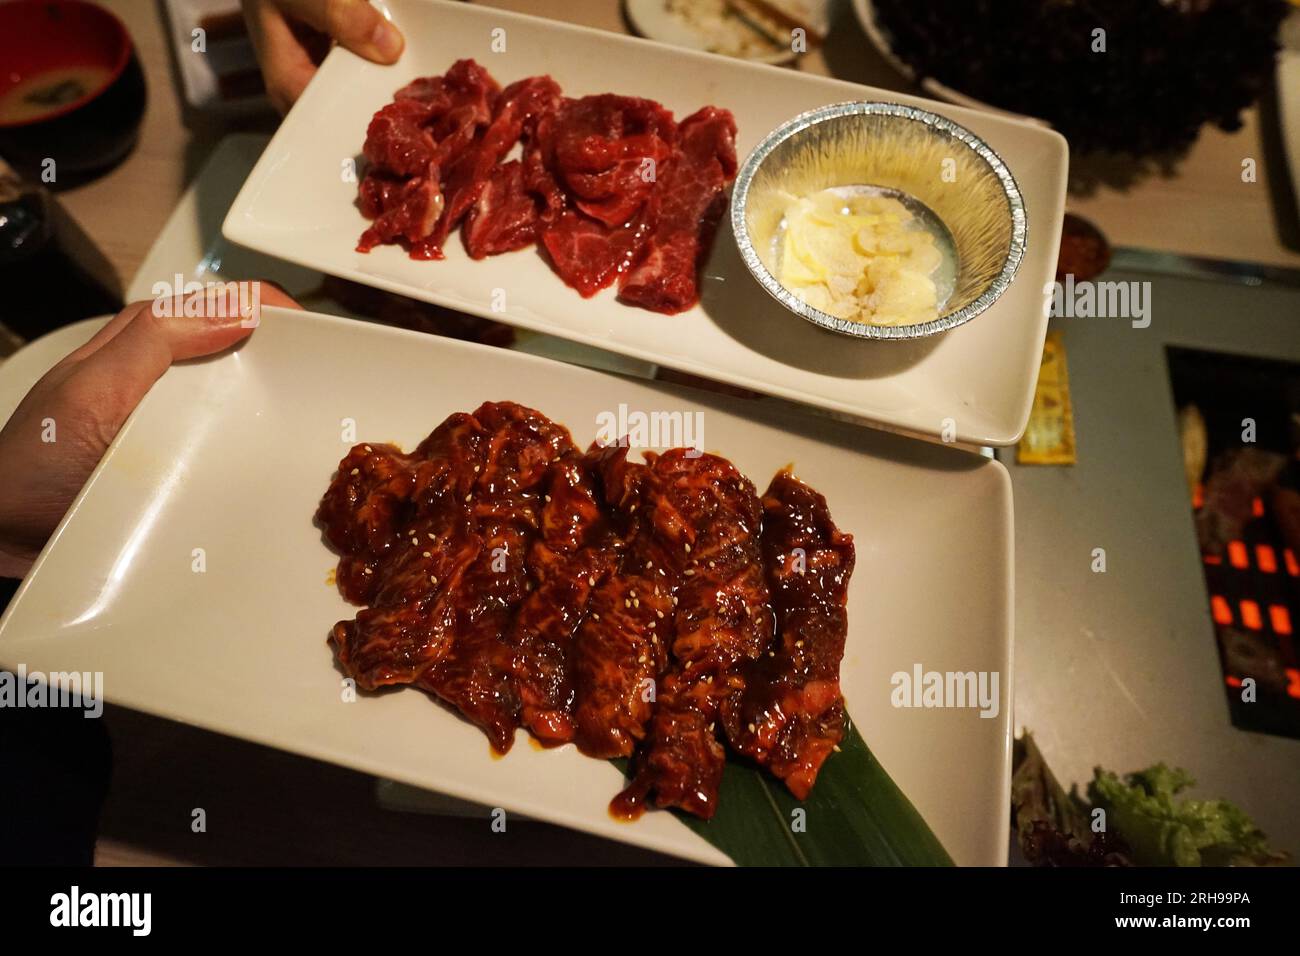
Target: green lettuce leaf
1162, 830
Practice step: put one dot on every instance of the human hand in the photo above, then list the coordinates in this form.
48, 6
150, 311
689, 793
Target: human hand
61, 429
290, 37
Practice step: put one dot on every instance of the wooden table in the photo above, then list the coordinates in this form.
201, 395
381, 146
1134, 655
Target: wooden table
268, 807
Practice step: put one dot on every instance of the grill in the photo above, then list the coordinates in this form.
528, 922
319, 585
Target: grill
1240, 428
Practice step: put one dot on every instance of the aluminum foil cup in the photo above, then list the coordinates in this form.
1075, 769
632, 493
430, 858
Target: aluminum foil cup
948, 177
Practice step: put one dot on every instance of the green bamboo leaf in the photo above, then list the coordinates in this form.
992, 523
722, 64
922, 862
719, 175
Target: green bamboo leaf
855, 816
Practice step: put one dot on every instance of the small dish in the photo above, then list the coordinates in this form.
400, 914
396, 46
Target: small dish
955, 185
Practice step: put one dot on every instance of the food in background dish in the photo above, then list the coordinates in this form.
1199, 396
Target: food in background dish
660, 610
1134, 77
610, 187
40, 94
859, 257
745, 28
1084, 251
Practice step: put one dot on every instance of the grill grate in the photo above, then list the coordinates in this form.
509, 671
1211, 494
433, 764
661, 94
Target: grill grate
1246, 507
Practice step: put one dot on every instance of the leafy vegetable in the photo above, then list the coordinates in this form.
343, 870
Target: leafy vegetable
1052, 826
1145, 823
1165, 831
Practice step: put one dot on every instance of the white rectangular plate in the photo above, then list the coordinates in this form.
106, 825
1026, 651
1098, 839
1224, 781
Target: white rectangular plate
298, 205
232, 454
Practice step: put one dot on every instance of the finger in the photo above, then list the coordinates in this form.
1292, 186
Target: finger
353, 24
198, 324
215, 317
286, 66
114, 379
106, 332
268, 293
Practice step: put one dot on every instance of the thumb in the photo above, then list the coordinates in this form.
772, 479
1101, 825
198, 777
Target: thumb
115, 376
353, 24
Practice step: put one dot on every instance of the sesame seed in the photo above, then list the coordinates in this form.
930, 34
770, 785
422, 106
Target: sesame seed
836, 748
427, 554
591, 582
433, 579
751, 728
688, 547
627, 603
690, 573
660, 614
548, 497
368, 448
469, 496
595, 617
636, 602
798, 643
476, 468
652, 625
356, 471
369, 571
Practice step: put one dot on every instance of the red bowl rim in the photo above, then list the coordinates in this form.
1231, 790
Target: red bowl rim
125, 51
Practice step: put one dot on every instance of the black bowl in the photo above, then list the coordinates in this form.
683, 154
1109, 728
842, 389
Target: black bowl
72, 90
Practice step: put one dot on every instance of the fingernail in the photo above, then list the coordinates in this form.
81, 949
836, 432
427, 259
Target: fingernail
387, 40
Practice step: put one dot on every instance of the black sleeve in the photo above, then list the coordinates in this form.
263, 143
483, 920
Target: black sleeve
55, 766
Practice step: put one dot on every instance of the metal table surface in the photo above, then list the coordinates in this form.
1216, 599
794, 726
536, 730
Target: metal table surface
1121, 668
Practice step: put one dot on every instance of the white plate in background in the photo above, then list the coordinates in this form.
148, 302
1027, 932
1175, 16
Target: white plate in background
232, 453
298, 206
